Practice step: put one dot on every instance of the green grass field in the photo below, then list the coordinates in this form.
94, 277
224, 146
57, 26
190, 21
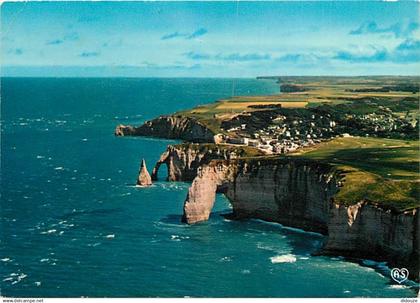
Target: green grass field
320, 91
392, 159
378, 170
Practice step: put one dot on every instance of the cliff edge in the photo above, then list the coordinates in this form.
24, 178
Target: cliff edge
300, 193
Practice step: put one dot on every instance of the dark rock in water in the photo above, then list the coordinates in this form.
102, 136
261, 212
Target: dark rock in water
125, 130
144, 178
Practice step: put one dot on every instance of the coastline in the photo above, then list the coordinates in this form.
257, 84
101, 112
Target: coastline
349, 225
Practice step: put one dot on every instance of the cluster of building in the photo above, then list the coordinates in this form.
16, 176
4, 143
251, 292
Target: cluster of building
285, 134
381, 123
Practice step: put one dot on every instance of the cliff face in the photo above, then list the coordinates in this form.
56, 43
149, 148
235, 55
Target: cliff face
300, 194
290, 193
183, 160
293, 194
169, 127
365, 230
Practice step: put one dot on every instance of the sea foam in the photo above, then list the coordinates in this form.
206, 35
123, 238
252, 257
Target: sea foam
289, 258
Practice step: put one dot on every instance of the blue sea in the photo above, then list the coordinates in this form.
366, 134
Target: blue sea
73, 224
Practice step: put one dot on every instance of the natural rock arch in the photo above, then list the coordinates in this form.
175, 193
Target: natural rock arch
294, 194
202, 193
155, 171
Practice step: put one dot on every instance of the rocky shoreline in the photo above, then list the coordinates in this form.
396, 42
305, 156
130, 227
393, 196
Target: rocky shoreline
291, 192
301, 195
294, 193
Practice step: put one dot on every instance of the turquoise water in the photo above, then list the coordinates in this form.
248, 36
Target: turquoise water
73, 225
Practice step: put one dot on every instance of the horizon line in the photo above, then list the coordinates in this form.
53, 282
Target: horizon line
215, 77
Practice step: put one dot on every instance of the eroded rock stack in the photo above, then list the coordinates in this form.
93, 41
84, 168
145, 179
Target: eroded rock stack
144, 178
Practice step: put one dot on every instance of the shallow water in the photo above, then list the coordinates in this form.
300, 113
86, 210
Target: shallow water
74, 225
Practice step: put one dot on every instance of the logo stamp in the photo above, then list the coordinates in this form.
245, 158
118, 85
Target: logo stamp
399, 275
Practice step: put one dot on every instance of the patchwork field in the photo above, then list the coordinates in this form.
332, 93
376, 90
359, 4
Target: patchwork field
399, 93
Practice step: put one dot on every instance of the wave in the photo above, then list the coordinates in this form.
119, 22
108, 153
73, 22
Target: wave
289, 258
384, 271
139, 186
50, 231
368, 262
170, 221
397, 286
94, 244
301, 231
381, 267
288, 228
273, 248
175, 238
15, 278
172, 185
178, 238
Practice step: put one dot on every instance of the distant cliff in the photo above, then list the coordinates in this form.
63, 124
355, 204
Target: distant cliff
300, 194
170, 127
293, 88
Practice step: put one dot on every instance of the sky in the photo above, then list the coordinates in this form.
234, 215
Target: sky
209, 39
